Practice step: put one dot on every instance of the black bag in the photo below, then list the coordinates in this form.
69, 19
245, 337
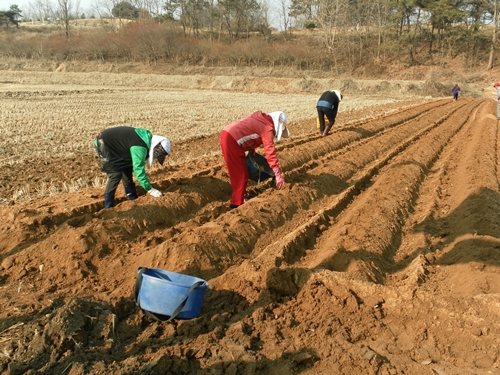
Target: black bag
258, 168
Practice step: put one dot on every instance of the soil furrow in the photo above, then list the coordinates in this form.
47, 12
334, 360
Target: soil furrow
459, 205
179, 250
351, 247
186, 210
185, 207
441, 237
389, 218
372, 150
380, 256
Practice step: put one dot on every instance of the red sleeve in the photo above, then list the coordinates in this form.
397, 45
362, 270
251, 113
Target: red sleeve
269, 149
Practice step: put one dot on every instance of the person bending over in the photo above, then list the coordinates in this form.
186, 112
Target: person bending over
245, 135
328, 105
124, 151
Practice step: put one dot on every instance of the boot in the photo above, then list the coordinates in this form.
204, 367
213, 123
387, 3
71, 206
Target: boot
327, 129
131, 192
109, 200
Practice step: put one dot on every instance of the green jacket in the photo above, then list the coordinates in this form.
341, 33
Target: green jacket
124, 147
139, 156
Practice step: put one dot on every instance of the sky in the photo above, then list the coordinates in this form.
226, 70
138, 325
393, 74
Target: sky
24, 4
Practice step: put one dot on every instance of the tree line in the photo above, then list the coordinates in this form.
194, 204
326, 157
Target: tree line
343, 32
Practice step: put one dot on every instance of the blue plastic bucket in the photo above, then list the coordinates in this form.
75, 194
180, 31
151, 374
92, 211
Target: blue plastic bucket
162, 292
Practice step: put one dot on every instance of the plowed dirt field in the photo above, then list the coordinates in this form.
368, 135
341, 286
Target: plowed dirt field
381, 256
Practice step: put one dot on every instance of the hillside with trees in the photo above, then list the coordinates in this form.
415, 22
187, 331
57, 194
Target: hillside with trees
339, 36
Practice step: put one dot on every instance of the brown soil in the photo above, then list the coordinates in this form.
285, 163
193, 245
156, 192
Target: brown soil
380, 257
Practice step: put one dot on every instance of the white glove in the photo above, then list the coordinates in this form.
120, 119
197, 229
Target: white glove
155, 193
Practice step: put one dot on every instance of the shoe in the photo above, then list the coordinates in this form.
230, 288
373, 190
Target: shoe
109, 199
231, 206
247, 197
131, 192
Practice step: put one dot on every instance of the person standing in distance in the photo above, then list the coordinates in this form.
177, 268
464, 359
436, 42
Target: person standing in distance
124, 150
497, 86
245, 135
455, 90
328, 105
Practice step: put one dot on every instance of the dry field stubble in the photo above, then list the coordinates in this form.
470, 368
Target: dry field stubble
48, 120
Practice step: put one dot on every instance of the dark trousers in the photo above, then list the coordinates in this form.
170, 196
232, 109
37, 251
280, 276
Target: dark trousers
322, 112
455, 96
114, 176
114, 179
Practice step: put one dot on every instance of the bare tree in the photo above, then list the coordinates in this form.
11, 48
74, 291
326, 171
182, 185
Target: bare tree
40, 10
238, 16
148, 8
29, 13
494, 34
154, 7
331, 16
68, 10
303, 10
284, 17
192, 14
264, 19
211, 17
380, 11
100, 8
43, 10
104, 11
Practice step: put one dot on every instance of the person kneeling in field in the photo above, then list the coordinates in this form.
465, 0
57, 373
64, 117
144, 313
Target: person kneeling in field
124, 150
247, 134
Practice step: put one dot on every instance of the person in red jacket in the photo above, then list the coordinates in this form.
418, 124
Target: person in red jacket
245, 135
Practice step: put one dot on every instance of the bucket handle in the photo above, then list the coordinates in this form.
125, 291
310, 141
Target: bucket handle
152, 315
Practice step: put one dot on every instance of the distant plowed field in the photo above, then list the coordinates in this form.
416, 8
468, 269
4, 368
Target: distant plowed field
381, 256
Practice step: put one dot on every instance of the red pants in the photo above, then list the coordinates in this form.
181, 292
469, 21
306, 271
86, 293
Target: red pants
234, 157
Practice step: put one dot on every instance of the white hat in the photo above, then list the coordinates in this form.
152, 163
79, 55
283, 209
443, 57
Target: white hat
280, 121
154, 142
339, 95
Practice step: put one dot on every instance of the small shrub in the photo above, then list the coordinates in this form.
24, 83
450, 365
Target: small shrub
309, 25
